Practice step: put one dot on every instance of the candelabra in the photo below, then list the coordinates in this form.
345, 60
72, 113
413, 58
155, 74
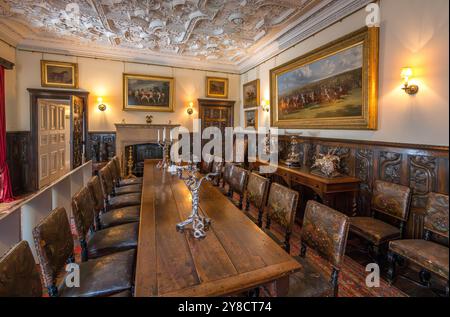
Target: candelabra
267, 143
165, 163
199, 225
293, 159
130, 163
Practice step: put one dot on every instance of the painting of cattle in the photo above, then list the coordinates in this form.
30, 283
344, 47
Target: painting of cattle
59, 74
332, 87
148, 93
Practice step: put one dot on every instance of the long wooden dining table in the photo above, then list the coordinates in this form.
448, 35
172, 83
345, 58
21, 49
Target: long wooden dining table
235, 256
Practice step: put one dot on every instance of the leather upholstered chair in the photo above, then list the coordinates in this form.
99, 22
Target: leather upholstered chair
109, 275
226, 175
325, 231
237, 184
19, 276
217, 167
392, 200
101, 242
127, 189
206, 166
281, 208
113, 217
256, 195
114, 202
430, 256
121, 181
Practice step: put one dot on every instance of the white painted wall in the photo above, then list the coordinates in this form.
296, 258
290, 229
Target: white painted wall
9, 53
104, 78
413, 33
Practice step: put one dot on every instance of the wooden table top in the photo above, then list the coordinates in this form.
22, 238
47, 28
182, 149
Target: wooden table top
235, 256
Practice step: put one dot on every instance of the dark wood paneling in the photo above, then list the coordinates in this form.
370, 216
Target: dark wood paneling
101, 146
18, 156
421, 167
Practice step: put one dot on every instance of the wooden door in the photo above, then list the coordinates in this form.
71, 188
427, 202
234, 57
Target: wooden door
216, 113
43, 143
78, 128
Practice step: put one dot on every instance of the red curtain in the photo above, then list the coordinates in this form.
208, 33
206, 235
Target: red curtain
5, 181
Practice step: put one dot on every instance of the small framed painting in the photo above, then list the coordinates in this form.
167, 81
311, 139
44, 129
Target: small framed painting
59, 74
216, 87
251, 94
148, 93
251, 118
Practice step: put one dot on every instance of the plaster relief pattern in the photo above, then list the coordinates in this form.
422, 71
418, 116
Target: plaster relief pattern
217, 30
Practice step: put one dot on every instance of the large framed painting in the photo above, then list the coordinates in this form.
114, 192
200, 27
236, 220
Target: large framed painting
251, 118
216, 87
148, 93
251, 94
333, 87
59, 74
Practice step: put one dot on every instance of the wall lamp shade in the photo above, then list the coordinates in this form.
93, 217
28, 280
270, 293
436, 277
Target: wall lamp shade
406, 75
101, 105
190, 109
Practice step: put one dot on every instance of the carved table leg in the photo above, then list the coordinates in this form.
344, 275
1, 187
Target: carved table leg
354, 203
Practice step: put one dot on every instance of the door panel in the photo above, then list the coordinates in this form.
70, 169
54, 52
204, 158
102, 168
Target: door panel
77, 131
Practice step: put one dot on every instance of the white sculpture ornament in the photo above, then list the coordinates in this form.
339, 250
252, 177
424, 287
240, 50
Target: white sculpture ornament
327, 164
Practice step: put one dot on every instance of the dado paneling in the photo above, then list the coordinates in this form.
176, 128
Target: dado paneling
423, 168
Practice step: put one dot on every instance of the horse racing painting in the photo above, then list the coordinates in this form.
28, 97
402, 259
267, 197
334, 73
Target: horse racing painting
332, 87
148, 93
59, 74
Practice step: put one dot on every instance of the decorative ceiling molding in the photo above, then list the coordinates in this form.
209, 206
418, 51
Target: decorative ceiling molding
218, 35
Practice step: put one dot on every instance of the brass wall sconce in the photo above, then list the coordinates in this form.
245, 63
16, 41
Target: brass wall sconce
265, 105
101, 105
190, 109
406, 74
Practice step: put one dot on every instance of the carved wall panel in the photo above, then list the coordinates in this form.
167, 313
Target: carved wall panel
398, 163
18, 158
101, 146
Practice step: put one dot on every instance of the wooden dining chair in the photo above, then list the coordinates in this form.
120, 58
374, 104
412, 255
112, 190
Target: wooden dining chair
121, 190
325, 231
281, 209
427, 254
112, 217
237, 184
105, 276
217, 169
226, 176
102, 242
119, 201
122, 181
206, 165
19, 276
256, 196
392, 200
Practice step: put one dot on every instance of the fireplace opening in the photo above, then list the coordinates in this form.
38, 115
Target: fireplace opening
141, 152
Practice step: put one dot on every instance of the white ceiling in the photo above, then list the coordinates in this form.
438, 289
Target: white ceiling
216, 34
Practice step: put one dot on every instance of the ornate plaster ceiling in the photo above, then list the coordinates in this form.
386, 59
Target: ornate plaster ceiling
208, 31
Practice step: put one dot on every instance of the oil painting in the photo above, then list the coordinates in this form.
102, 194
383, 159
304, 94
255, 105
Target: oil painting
216, 87
251, 94
328, 88
59, 74
251, 118
148, 93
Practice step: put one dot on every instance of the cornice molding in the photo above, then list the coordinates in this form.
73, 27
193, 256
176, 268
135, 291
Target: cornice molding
314, 21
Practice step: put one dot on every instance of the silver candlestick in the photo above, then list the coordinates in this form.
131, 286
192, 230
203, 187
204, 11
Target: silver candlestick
165, 162
199, 224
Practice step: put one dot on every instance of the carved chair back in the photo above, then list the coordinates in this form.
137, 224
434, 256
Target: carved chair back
281, 208
256, 194
217, 168
116, 161
115, 172
392, 200
325, 230
228, 170
238, 180
106, 180
436, 218
54, 245
19, 276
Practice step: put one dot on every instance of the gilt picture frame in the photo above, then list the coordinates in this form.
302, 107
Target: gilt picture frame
148, 93
251, 118
56, 74
216, 87
332, 87
251, 94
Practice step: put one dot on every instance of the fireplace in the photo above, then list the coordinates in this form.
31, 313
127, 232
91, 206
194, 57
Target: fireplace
142, 138
142, 152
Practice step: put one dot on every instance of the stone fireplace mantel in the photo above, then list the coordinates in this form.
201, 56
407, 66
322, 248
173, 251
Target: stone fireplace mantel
132, 134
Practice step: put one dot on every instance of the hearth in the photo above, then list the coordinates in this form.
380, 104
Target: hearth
142, 152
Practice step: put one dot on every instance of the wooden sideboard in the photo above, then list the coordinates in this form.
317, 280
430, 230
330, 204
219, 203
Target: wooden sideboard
340, 193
